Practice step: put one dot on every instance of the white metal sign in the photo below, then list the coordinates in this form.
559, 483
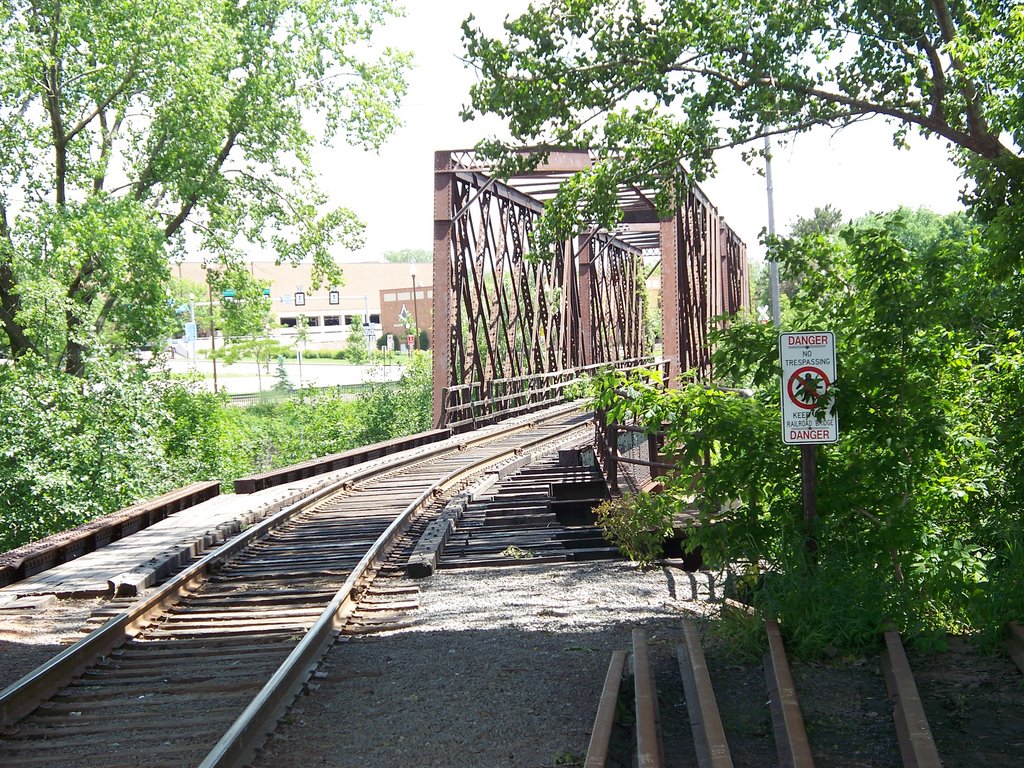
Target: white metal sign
808, 373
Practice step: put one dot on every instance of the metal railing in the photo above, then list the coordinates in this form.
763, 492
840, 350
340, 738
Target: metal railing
634, 454
469, 406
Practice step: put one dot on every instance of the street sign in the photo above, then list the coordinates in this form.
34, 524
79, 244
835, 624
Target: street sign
190, 332
808, 374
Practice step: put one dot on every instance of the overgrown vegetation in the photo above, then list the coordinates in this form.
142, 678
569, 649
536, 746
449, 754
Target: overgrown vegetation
921, 510
75, 448
132, 132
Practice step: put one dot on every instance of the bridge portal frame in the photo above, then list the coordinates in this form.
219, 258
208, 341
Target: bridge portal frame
501, 350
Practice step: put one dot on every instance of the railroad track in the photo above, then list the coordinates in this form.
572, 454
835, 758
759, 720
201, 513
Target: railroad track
200, 670
627, 730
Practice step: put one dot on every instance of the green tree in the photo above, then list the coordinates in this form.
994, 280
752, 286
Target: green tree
403, 408
301, 338
355, 344
409, 256
651, 83
920, 514
824, 221
133, 130
72, 448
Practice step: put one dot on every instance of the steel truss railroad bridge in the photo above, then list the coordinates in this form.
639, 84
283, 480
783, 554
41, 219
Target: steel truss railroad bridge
510, 332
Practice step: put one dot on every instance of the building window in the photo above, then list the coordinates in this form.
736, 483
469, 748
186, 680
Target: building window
404, 295
288, 322
332, 320
375, 319
314, 321
389, 297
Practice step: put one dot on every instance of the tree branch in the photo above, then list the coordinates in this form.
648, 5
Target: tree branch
146, 178
938, 79
175, 224
10, 302
101, 107
107, 136
984, 144
51, 78
976, 123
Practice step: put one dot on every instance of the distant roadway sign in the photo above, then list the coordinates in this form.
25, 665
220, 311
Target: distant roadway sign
808, 373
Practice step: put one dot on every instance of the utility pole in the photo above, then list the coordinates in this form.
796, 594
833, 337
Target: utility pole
415, 309
773, 266
213, 337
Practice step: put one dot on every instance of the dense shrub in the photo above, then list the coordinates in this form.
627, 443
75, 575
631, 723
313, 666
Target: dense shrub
73, 449
920, 502
402, 409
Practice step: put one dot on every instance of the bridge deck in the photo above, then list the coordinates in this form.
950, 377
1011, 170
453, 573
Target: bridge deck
137, 561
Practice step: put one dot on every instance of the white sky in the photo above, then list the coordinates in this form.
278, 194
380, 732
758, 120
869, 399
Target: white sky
856, 170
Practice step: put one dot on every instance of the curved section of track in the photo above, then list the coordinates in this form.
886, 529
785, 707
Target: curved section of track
199, 671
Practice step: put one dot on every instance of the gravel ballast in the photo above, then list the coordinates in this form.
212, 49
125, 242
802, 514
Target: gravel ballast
503, 667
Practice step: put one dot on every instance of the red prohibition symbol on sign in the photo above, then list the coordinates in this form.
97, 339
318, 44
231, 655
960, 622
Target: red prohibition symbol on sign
806, 386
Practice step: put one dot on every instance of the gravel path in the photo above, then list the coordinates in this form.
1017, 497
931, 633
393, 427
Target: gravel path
32, 638
503, 667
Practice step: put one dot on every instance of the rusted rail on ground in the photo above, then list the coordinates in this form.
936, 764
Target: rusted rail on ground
709, 736
198, 671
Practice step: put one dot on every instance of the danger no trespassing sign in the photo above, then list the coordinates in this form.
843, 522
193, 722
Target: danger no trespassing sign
808, 373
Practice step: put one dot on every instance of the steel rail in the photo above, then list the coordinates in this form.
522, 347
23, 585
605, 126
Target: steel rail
24, 695
917, 747
705, 720
246, 734
604, 721
790, 734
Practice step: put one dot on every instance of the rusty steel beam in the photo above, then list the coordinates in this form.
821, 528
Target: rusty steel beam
504, 314
443, 301
671, 293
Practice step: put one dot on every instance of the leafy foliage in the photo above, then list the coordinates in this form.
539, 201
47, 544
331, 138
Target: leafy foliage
919, 520
355, 344
651, 84
74, 448
409, 256
128, 128
638, 527
392, 411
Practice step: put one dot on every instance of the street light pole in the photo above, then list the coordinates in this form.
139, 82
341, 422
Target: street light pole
213, 337
415, 309
195, 333
773, 266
